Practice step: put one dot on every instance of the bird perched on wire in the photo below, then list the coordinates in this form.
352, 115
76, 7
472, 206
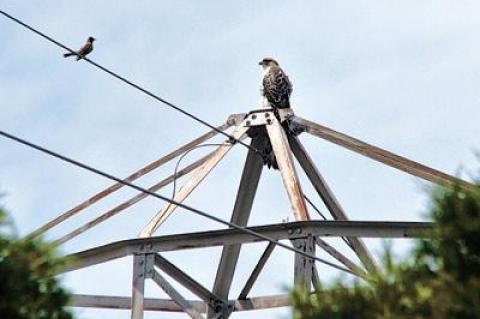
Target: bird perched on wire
276, 85
83, 51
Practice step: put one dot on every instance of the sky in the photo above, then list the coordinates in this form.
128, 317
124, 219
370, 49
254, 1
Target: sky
402, 75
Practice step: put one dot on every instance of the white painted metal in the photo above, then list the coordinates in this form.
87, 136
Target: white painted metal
283, 153
199, 175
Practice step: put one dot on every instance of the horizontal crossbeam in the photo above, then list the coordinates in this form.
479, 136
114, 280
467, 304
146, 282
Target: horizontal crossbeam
281, 231
168, 305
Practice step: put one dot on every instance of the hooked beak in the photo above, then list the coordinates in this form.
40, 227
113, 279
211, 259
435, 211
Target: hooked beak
260, 63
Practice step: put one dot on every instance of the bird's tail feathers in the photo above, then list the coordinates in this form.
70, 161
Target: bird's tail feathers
66, 55
270, 160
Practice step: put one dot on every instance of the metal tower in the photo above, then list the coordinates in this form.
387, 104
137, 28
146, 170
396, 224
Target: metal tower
282, 129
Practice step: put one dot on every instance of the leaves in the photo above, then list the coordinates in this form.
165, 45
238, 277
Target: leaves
28, 287
441, 280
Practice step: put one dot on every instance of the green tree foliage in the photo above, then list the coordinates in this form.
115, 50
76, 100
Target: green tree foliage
28, 289
441, 280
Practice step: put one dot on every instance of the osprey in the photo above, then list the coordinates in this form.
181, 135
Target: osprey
83, 51
276, 85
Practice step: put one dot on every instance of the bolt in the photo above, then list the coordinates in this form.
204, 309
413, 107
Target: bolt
267, 114
299, 244
248, 122
269, 121
254, 116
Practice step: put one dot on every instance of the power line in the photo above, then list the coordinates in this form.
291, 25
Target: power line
325, 218
177, 165
158, 196
314, 207
136, 86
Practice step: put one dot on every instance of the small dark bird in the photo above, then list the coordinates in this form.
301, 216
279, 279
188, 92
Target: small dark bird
276, 85
83, 51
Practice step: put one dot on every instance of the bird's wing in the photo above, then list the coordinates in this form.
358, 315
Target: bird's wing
276, 85
86, 49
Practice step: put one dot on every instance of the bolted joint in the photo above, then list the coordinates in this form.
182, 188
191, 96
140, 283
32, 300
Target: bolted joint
221, 307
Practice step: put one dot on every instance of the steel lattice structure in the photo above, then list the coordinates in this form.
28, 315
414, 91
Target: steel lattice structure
282, 129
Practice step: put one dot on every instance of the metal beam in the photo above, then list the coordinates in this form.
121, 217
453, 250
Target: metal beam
303, 266
132, 201
378, 154
340, 257
256, 271
241, 212
138, 286
222, 237
329, 199
144, 170
167, 305
176, 296
315, 278
117, 302
283, 154
200, 173
184, 279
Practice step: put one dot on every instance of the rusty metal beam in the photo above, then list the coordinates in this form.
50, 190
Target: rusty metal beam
144, 170
241, 212
329, 199
168, 305
380, 155
184, 279
303, 266
132, 201
256, 271
138, 286
176, 296
315, 278
200, 173
222, 237
340, 257
283, 154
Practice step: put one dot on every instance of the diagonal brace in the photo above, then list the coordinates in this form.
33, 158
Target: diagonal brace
283, 153
329, 199
132, 201
144, 170
184, 279
378, 154
176, 296
197, 178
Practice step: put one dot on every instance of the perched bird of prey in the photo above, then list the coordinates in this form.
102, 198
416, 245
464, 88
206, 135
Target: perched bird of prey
83, 51
276, 85
277, 90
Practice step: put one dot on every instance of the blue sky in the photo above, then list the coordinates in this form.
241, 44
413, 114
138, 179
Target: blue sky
402, 75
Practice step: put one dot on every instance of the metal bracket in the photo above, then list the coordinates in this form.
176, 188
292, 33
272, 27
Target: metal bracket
265, 116
236, 119
259, 117
149, 264
221, 309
